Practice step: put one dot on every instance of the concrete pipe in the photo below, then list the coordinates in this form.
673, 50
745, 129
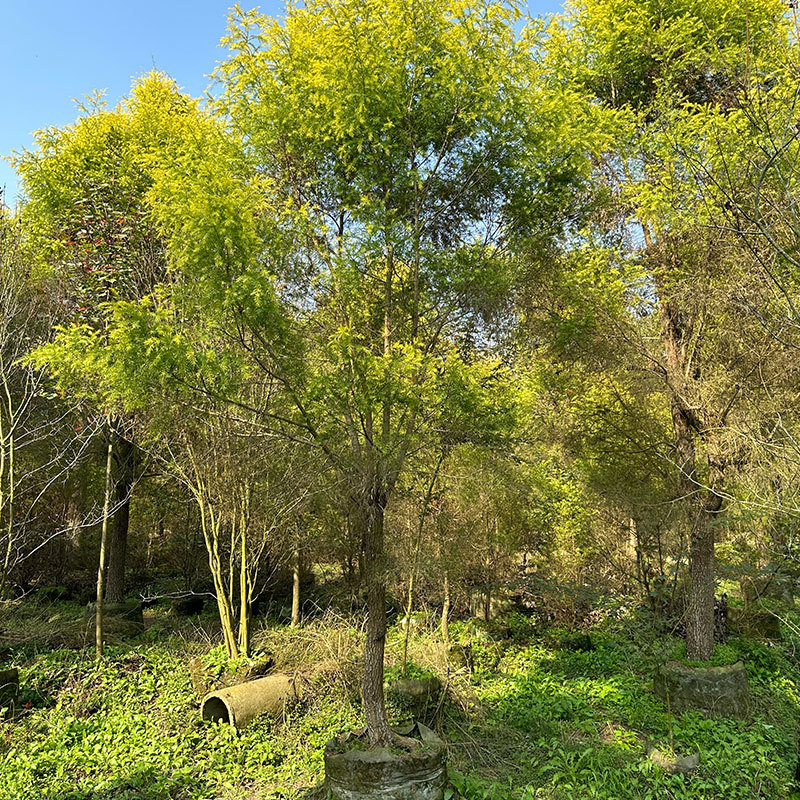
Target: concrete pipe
241, 704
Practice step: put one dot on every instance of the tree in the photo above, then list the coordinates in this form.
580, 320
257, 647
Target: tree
389, 131
88, 200
651, 67
250, 490
84, 189
40, 440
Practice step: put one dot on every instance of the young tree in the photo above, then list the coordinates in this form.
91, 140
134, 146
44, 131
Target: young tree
38, 440
250, 490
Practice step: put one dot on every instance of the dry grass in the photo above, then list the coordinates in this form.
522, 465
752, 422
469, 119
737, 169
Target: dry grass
328, 649
43, 627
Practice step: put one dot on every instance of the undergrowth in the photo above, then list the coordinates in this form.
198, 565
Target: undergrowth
536, 720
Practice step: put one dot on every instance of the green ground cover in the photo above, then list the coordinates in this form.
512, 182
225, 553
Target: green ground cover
536, 720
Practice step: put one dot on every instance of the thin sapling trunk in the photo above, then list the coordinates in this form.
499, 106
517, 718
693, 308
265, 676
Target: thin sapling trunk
101, 569
375, 643
296, 582
117, 556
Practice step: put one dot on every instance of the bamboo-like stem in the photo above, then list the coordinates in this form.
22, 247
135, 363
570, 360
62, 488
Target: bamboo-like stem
101, 569
296, 582
244, 578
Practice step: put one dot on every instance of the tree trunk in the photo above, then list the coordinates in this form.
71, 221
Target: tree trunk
245, 589
115, 586
635, 553
210, 523
101, 569
700, 621
296, 583
375, 643
689, 419
700, 615
409, 608
7, 505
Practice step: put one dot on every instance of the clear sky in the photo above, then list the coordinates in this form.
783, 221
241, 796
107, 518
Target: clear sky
57, 50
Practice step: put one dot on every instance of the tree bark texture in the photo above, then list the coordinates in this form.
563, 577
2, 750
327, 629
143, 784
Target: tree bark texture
690, 421
375, 643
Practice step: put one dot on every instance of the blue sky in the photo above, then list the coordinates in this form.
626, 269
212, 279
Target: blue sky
57, 50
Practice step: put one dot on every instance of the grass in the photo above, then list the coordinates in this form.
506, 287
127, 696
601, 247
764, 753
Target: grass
535, 720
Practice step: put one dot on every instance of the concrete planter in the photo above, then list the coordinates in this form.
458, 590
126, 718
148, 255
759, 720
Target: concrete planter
417, 696
499, 603
578, 642
353, 772
718, 691
459, 657
674, 764
754, 623
774, 587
